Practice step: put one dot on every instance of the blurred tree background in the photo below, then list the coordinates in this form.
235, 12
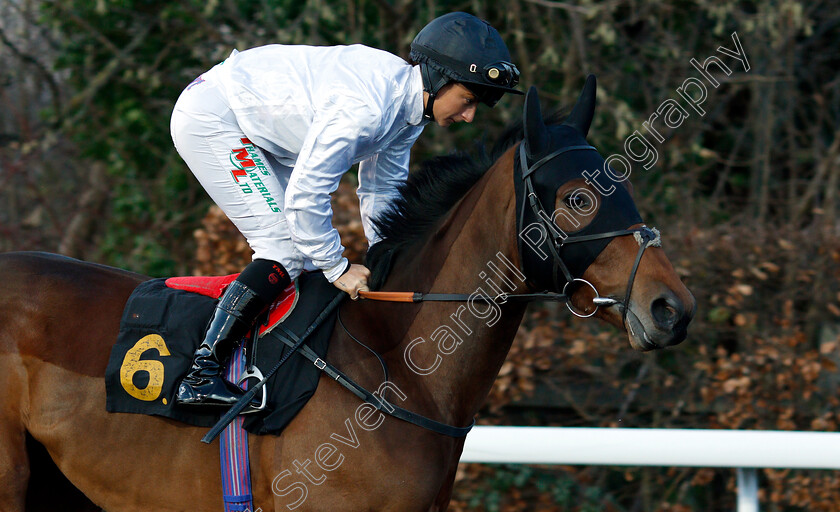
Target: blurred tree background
746, 196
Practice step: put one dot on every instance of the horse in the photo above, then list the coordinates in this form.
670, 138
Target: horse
464, 225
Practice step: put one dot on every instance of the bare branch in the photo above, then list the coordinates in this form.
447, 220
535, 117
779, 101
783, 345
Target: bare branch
824, 168
105, 74
42, 70
567, 7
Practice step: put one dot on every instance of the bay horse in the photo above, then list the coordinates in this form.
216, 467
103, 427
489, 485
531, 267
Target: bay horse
460, 227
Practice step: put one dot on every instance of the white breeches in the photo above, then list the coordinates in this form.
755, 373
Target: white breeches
247, 183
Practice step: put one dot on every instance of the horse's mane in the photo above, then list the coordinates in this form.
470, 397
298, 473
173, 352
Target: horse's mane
429, 193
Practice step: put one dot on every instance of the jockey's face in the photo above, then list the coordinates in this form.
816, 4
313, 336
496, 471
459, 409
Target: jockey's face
454, 103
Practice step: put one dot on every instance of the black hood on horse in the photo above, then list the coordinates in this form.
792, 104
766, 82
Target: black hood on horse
551, 156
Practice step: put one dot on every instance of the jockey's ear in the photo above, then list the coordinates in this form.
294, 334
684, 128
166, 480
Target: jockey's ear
536, 133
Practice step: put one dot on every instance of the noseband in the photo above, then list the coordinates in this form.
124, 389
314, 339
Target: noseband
644, 235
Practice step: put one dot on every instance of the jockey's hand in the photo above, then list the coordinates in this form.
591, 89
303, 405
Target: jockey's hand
354, 280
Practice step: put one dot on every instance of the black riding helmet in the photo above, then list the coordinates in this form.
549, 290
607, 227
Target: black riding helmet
458, 47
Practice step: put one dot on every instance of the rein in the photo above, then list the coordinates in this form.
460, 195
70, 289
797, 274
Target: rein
461, 297
502, 298
645, 236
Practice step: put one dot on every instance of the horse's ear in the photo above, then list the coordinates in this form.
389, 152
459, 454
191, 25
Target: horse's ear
584, 110
536, 134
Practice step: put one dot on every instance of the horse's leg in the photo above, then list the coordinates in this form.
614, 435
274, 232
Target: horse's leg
58, 320
29, 478
49, 490
14, 470
21, 472
445, 495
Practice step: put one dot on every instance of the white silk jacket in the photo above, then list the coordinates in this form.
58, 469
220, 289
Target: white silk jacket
318, 111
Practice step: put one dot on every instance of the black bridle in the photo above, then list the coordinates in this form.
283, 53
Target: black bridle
556, 240
561, 276
560, 269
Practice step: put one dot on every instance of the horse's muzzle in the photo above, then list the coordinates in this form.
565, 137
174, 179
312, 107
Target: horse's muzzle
671, 317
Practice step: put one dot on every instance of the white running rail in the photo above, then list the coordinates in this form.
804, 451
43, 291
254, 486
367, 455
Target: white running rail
745, 450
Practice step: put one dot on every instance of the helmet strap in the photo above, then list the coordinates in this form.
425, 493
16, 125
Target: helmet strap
432, 89
428, 112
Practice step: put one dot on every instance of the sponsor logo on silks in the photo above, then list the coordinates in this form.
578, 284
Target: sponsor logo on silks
249, 167
238, 173
239, 158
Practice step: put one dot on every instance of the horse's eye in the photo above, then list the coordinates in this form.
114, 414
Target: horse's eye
577, 201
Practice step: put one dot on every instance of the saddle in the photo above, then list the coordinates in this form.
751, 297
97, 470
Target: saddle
163, 323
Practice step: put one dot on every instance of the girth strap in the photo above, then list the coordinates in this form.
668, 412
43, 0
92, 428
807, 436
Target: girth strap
233, 452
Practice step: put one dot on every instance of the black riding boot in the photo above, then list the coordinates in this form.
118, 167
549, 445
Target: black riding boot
235, 314
243, 301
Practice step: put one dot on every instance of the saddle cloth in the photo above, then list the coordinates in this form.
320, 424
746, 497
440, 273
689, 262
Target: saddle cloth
162, 326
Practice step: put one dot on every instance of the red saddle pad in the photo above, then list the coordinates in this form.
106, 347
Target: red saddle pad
213, 286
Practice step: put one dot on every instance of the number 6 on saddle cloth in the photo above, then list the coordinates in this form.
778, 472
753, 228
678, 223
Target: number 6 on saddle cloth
164, 321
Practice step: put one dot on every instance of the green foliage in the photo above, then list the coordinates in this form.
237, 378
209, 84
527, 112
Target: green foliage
127, 61
503, 484
123, 64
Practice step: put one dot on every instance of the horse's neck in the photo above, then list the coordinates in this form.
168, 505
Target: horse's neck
452, 351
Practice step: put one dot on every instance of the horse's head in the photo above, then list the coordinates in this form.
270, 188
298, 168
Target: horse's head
580, 232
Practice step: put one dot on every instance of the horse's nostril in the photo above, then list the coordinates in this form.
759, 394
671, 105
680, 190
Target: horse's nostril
666, 311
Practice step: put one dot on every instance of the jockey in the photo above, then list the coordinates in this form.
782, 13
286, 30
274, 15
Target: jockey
270, 131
